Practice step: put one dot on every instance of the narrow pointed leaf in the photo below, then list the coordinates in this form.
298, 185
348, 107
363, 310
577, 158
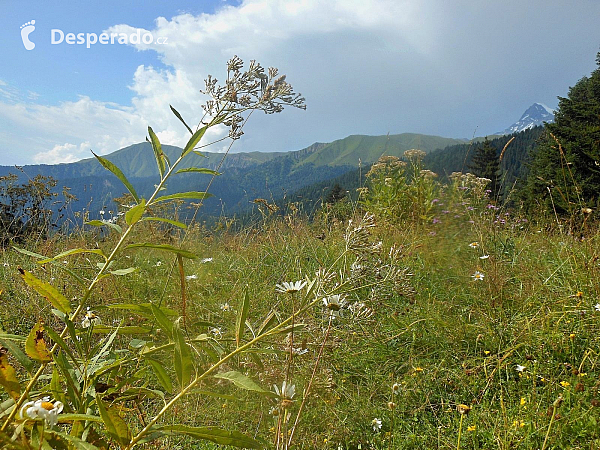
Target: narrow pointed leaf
158, 153
243, 382
115, 170
35, 346
161, 375
194, 140
162, 319
57, 300
165, 247
214, 434
162, 219
181, 119
184, 196
115, 425
17, 353
108, 223
198, 170
124, 271
135, 213
73, 251
267, 324
241, 317
8, 376
182, 357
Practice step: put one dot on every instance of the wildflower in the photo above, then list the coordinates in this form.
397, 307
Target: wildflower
520, 368
158, 263
484, 257
518, 424
376, 424
474, 244
565, 384
286, 394
290, 287
486, 352
226, 307
334, 303
205, 260
395, 388
6, 264
102, 212
191, 277
391, 405
436, 220
418, 369
597, 306
44, 409
215, 331
90, 318
523, 401
299, 351
572, 336
579, 294
472, 428
463, 409
477, 276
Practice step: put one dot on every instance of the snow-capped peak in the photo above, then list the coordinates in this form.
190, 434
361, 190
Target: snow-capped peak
536, 114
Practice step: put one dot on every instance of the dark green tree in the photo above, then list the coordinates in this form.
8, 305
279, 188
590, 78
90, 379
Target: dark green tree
485, 164
565, 170
336, 194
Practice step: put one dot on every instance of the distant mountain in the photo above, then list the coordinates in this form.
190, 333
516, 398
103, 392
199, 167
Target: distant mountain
535, 115
245, 176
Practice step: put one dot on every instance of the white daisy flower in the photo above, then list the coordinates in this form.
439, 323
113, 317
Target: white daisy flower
289, 287
44, 409
474, 244
191, 277
205, 260
226, 307
478, 276
376, 424
287, 391
520, 368
90, 318
484, 257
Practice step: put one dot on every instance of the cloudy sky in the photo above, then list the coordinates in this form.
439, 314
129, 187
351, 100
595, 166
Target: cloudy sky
450, 68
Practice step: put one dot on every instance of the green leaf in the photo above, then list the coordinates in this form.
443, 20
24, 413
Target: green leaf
115, 425
161, 374
184, 195
241, 317
182, 357
243, 382
75, 276
135, 213
61, 343
8, 376
162, 319
124, 271
108, 223
121, 330
158, 153
162, 219
35, 346
214, 434
181, 118
74, 251
165, 247
198, 170
57, 300
68, 375
194, 140
76, 443
115, 170
67, 418
16, 351
267, 324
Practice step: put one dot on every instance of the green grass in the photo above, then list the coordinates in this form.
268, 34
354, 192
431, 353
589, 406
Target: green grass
454, 340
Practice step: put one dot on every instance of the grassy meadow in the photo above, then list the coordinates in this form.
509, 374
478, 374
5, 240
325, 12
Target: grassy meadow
473, 328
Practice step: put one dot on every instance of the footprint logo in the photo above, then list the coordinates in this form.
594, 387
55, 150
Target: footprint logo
26, 30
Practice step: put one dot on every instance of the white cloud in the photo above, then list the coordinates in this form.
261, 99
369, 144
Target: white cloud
364, 66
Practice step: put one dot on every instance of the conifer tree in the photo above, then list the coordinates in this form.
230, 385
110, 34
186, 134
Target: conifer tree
565, 170
485, 164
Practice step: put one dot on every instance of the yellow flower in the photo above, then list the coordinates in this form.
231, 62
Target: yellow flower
471, 428
418, 369
565, 384
523, 401
579, 294
487, 352
572, 336
463, 409
518, 424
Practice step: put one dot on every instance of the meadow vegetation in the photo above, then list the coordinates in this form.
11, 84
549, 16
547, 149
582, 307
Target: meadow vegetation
423, 315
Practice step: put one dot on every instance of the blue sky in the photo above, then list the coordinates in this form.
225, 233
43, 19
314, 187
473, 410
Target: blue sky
454, 69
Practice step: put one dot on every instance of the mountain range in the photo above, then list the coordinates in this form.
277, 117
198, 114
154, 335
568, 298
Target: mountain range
536, 115
246, 176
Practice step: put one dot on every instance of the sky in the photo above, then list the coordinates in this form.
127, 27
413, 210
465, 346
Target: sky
459, 68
